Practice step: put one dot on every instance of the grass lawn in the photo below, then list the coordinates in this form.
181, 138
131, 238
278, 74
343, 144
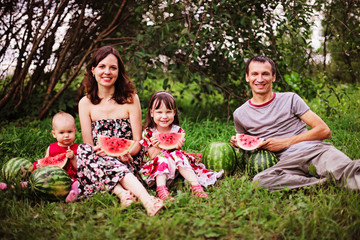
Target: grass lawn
235, 209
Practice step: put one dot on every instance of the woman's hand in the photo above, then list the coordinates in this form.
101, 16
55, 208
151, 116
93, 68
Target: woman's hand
126, 158
99, 151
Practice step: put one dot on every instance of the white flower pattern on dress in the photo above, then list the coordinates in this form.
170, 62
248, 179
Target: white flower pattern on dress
101, 174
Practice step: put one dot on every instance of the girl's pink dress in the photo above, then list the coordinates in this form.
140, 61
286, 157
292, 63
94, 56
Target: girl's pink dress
168, 162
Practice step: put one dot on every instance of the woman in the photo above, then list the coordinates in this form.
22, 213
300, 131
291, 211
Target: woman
111, 107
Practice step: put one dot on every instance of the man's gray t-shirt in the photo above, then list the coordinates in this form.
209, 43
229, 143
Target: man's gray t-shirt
278, 118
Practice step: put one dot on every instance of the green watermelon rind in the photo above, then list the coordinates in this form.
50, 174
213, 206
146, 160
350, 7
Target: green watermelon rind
166, 145
240, 159
13, 169
50, 183
218, 156
260, 160
101, 139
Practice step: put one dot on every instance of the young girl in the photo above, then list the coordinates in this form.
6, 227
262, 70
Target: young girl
112, 108
162, 166
64, 130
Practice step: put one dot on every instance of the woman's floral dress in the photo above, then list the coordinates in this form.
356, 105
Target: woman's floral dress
168, 162
102, 174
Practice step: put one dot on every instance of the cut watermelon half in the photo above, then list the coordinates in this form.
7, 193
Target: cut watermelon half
59, 160
248, 142
114, 146
169, 140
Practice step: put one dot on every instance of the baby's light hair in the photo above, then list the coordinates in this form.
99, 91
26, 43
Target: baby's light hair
62, 115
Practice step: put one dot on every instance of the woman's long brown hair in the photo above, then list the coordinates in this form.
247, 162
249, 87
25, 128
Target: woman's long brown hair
124, 88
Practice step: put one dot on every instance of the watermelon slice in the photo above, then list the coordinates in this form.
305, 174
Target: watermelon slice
248, 142
169, 140
59, 160
114, 146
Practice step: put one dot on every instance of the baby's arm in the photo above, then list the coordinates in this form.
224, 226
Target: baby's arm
71, 156
47, 152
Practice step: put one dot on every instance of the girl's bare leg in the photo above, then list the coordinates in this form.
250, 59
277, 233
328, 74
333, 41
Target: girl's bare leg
189, 175
196, 188
162, 191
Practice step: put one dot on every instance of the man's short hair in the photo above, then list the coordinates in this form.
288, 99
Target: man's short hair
261, 59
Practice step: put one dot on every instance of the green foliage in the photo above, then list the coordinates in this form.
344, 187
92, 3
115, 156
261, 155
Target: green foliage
297, 84
207, 42
27, 138
235, 210
341, 29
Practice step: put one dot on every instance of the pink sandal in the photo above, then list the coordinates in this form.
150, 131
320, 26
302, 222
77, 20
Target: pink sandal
198, 191
153, 205
162, 192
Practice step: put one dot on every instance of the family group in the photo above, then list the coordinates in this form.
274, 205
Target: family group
111, 107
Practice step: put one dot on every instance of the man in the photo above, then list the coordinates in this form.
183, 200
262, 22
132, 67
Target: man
281, 119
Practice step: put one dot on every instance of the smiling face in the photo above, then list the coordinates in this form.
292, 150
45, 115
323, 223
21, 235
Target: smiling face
107, 71
260, 77
163, 117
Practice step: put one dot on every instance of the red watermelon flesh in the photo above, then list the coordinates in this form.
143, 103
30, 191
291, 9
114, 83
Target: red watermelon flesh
169, 140
59, 160
248, 142
114, 146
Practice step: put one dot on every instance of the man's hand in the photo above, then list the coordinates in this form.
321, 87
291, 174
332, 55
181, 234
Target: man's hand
275, 144
234, 141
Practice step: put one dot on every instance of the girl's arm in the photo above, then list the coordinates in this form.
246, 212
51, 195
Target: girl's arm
135, 122
85, 120
153, 152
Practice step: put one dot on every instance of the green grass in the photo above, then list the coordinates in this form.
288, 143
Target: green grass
235, 209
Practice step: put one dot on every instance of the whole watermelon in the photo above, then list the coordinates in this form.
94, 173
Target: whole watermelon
220, 155
240, 159
16, 169
50, 182
260, 160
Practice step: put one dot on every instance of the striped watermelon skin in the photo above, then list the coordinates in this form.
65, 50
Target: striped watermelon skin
241, 156
218, 156
50, 182
16, 169
260, 160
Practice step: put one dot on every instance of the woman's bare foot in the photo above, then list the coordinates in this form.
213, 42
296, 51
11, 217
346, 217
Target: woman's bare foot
153, 205
126, 198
